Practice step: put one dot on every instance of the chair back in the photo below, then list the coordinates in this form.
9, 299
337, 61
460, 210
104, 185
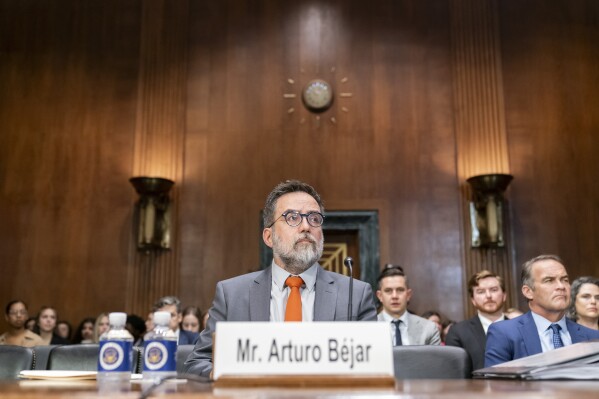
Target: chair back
14, 359
40, 356
182, 352
81, 357
430, 362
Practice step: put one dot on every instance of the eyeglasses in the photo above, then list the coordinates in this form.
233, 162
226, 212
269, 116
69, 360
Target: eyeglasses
294, 218
18, 312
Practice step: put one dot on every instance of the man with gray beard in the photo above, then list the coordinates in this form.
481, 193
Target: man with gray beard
293, 216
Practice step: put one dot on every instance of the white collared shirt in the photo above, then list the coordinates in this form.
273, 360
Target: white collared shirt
546, 334
403, 326
279, 293
487, 322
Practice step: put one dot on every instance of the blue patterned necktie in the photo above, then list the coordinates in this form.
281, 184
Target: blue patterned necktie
397, 332
557, 339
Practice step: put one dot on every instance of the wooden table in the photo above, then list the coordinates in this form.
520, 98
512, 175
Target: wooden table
420, 389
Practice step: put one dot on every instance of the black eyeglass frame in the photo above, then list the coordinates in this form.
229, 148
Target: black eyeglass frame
301, 215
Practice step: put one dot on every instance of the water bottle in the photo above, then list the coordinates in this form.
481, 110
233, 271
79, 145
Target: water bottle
114, 360
160, 349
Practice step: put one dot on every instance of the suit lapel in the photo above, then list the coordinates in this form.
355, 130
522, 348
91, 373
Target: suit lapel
260, 296
325, 300
478, 332
530, 335
414, 330
575, 333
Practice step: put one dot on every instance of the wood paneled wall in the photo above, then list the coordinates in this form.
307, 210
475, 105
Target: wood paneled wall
552, 96
95, 92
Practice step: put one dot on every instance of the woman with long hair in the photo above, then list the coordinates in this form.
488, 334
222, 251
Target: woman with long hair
584, 303
45, 324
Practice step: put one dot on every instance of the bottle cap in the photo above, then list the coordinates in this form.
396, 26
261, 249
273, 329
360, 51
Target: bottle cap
162, 318
117, 319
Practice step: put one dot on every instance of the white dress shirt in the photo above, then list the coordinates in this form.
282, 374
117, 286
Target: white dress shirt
403, 326
279, 293
546, 334
487, 322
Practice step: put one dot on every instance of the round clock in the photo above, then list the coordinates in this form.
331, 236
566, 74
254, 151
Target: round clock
317, 95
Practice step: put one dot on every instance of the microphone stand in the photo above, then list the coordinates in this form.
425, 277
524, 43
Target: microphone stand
348, 262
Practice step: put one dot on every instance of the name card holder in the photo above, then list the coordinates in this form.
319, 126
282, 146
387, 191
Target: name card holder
318, 354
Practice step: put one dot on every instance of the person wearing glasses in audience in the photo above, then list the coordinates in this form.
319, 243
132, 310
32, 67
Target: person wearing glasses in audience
487, 294
394, 294
293, 216
546, 286
16, 315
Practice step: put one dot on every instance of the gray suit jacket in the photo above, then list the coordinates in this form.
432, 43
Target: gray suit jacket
247, 298
420, 330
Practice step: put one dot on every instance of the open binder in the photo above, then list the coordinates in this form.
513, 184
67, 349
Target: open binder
574, 362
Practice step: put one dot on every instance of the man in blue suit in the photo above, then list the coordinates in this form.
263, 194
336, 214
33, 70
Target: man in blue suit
546, 286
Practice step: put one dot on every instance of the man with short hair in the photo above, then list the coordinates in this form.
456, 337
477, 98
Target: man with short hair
172, 305
294, 287
487, 294
16, 315
546, 286
406, 328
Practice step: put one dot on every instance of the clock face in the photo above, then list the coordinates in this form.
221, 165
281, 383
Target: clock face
318, 95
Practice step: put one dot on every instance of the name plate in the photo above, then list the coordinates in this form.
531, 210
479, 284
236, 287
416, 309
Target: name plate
318, 348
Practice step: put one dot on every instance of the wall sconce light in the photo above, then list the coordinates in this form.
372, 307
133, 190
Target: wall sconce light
486, 209
153, 212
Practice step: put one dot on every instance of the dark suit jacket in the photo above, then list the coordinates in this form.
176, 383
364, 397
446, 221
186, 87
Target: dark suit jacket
187, 337
247, 298
470, 335
512, 339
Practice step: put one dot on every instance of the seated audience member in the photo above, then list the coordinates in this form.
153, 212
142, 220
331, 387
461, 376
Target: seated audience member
101, 325
584, 302
85, 332
172, 305
45, 325
293, 220
487, 294
192, 319
435, 317
406, 328
137, 327
16, 315
545, 327
512, 313
64, 329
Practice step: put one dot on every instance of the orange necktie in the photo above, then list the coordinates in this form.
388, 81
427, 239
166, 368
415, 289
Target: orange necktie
293, 311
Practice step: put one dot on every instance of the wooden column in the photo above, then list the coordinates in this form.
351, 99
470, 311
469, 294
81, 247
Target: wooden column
159, 139
480, 125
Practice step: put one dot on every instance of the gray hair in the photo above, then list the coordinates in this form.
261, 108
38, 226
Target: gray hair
576, 285
167, 301
526, 277
289, 186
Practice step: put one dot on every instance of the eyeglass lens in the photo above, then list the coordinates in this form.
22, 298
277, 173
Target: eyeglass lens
294, 219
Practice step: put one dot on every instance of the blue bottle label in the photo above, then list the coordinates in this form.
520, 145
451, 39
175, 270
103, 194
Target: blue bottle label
160, 356
115, 356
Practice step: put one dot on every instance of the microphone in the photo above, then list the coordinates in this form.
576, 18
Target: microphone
348, 262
